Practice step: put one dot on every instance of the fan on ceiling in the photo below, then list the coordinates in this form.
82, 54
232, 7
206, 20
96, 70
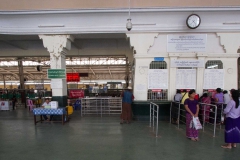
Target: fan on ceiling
129, 23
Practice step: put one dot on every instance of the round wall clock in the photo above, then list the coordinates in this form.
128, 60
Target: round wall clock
193, 21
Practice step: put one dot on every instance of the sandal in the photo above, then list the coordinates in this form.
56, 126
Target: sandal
234, 146
197, 139
193, 139
226, 146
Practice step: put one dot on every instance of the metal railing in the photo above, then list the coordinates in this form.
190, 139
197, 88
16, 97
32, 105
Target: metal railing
204, 108
101, 105
154, 108
157, 95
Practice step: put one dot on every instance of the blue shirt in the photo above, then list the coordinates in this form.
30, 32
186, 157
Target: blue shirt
127, 97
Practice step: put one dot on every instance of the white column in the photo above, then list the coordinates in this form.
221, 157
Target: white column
172, 78
58, 46
200, 75
141, 43
140, 89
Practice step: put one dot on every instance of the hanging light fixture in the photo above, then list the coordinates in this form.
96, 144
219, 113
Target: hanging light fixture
129, 23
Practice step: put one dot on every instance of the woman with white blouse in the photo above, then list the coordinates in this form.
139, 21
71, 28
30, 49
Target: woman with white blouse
232, 122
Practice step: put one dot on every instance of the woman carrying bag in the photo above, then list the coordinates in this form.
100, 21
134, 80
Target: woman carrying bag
192, 110
232, 122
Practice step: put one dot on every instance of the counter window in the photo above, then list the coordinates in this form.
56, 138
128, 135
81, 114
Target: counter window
157, 94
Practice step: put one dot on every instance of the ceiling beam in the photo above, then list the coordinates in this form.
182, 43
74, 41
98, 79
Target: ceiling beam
92, 70
10, 72
110, 72
14, 44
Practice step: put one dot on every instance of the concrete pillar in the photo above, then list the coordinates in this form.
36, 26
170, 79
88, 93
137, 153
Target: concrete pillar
58, 46
200, 74
21, 75
141, 43
172, 78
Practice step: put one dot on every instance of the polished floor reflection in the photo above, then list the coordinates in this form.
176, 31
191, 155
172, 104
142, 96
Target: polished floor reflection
93, 137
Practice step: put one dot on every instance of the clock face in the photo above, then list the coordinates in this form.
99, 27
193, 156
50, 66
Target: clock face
193, 21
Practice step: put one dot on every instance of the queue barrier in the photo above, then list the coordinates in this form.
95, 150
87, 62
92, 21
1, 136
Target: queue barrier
207, 113
154, 108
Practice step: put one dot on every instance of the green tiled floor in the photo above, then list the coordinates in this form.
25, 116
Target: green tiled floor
91, 138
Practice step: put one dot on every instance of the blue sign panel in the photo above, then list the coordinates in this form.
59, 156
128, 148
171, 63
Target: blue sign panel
158, 58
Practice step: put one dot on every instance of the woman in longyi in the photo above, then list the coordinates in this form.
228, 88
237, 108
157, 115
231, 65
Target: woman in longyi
232, 122
192, 110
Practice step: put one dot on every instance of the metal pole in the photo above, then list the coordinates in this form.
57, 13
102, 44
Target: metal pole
153, 116
171, 112
204, 116
215, 120
157, 122
221, 117
21, 75
4, 83
150, 114
179, 105
101, 106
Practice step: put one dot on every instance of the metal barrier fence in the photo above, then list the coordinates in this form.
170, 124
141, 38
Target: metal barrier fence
154, 108
155, 95
101, 105
208, 114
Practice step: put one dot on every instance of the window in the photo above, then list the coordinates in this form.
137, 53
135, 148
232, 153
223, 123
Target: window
217, 64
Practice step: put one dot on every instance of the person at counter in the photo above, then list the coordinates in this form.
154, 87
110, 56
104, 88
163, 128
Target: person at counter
219, 96
47, 104
127, 98
184, 96
177, 98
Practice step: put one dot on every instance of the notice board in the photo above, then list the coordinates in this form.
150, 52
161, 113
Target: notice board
157, 79
186, 79
213, 78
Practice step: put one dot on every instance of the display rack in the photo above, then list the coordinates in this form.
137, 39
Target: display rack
101, 105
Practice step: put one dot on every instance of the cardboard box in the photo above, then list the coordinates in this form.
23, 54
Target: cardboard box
47, 107
54, 104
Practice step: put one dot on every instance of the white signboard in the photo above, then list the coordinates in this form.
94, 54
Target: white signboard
157, 79
213, 78
56, 83
54, 104
187, 63
187, 43
39, 86
186, 79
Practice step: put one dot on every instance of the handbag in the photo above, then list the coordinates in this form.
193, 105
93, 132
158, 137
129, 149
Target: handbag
196, 123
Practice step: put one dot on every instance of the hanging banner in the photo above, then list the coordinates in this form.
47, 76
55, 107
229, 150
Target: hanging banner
187, 63
73, 77
76, 93
186, 43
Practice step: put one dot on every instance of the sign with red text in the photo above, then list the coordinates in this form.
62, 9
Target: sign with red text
73, 77
76, 93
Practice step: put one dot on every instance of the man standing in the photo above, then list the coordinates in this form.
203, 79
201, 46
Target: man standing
127, 98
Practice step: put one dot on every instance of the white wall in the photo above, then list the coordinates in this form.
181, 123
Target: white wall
214, 51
